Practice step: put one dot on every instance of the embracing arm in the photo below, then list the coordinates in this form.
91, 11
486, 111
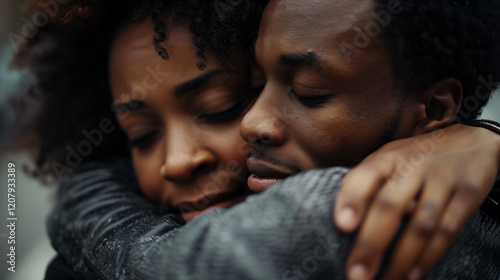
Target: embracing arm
447, 174
98, 214
105, 229
284, 233
296, 241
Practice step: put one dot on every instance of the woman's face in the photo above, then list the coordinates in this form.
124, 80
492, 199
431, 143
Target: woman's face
182, 122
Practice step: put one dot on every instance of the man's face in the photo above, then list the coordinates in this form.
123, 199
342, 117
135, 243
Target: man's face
321, 105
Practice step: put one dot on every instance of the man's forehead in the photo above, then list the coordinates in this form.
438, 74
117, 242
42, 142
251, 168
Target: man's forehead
319, 26
298, 16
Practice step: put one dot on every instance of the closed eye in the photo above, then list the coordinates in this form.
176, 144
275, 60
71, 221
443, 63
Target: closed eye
311, 101
142, 141
227, 115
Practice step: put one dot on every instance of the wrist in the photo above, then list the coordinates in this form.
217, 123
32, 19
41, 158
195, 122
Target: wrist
490, 125
494, 129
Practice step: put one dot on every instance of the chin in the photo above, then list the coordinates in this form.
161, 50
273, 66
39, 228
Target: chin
188, 216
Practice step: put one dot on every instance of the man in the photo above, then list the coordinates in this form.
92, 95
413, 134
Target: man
361, 76
299, 103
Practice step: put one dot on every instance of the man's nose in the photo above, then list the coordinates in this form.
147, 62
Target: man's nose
185, 158
263, 122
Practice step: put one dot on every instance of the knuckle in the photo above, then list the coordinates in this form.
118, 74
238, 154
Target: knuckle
470, 183
448, 230
424, 227
383, 161
471, 190
386, 201
365, 248
368, 167
469, 197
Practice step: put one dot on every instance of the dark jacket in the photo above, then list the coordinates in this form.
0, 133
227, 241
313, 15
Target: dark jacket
104, 228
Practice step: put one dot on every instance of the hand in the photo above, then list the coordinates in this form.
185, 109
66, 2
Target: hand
439, 178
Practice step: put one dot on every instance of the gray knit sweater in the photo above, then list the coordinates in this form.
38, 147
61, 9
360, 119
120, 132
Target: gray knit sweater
105, 229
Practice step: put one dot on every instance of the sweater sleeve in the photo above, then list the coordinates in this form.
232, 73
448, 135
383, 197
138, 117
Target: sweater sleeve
287, 232
105, 230
99, 212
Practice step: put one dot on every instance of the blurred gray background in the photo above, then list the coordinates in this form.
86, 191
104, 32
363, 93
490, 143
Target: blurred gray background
33, 201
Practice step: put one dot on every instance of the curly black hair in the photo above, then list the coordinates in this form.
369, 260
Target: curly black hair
433, 40
430, 40
67, 59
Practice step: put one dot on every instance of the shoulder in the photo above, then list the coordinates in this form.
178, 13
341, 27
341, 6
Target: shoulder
111, 174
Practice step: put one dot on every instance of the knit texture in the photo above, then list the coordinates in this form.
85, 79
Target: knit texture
105, 229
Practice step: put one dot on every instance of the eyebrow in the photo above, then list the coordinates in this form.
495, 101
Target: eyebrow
179, 91
198, 82
309, 59
129, 106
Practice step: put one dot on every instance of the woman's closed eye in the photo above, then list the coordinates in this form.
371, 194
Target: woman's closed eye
227, 115
143, 140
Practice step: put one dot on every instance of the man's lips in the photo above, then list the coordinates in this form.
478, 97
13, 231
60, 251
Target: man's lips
264, 174
262, 168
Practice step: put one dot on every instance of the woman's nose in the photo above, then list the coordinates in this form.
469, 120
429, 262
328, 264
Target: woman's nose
186, 159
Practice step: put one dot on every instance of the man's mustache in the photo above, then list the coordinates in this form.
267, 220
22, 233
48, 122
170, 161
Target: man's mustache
262, 153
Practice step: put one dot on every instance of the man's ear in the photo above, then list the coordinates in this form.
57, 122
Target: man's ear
441, 102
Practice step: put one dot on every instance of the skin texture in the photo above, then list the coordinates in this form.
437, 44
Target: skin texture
322, 108
359, 102
191, 156
451, 182
328, 112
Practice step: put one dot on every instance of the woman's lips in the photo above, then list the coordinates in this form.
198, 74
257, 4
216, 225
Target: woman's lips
264, 174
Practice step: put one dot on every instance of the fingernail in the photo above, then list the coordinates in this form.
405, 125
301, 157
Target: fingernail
415, 273
358, 272
346, 216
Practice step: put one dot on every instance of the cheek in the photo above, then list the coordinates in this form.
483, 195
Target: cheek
330, 140
232, 151
336, 135
356, 138
147, 170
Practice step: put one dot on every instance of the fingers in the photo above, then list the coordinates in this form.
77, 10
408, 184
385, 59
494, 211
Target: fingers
358, 188
432, 203
454, 218
379, 227
438, 215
